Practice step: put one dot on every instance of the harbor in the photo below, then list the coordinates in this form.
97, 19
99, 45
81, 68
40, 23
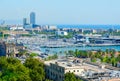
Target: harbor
55, 46
57, 50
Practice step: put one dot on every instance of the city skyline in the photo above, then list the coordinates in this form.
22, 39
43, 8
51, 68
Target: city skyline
62, 12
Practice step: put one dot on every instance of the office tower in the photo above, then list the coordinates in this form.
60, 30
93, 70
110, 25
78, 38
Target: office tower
24, 21
32, 18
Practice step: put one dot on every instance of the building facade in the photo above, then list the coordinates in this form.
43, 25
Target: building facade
7, 49
10, 49
61, 33
24, 21
56, 69
32, 18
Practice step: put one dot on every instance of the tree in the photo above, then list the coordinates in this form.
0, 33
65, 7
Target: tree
70, 77
118, 58
71, 53
22, 52
48, 80
76, 53
65, 52
55, 56
13, 70
33, 54
36, 69
107, 51
106, 59
113, 61
89, 54
93, 59
100, 52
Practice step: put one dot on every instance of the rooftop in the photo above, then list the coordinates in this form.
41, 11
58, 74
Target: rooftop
76, 63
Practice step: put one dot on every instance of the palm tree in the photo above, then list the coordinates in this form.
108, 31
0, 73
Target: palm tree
65, 52
107, 51
89, 54
100, 52
71, 53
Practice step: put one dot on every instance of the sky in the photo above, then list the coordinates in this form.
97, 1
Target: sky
61, 11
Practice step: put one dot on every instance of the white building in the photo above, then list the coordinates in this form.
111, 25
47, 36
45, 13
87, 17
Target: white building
52, 27
44, 27
56, 69
61, 33
16, 28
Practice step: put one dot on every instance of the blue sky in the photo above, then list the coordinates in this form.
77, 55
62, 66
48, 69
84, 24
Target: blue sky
62, 11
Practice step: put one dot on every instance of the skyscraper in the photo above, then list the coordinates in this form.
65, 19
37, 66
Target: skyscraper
32, 18
24, 21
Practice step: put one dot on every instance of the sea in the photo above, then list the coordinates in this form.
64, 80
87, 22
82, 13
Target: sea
117, 26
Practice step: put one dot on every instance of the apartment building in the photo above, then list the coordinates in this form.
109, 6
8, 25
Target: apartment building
56, 69
10, 49
7, 49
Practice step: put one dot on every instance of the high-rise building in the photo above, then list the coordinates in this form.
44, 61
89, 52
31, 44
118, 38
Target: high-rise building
32, 18
24, 21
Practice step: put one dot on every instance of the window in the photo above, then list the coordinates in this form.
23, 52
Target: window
62, 70
51, 73
74, 70
60, 77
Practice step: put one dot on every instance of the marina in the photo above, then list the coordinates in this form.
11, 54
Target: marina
58, 50
59, 46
